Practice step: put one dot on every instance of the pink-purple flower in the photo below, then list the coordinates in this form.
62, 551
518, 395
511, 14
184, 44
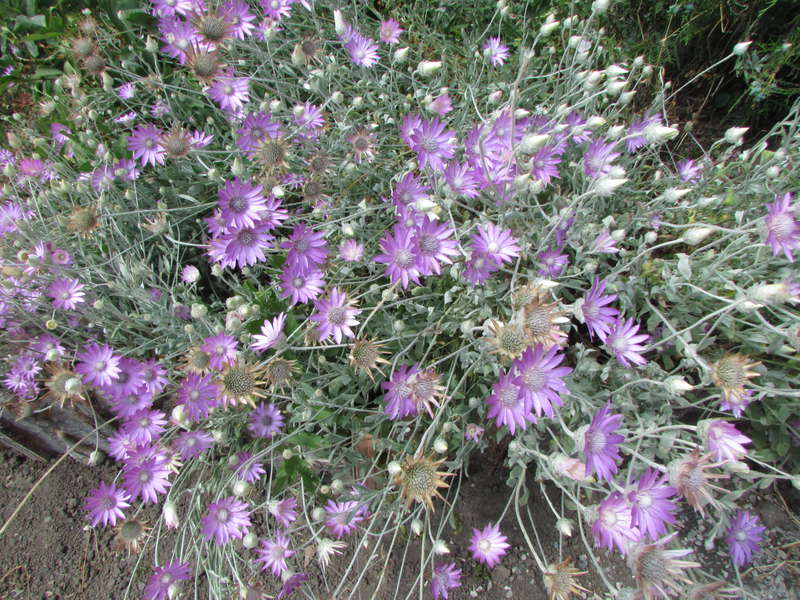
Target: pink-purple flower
145, 143
105, 504
165, 577
488, 545
612, 527
783, 228
625, 343
495, 51
266, 421
601, 443
66, 293
98, 365
271, 334
508, 405
599, 317
433, 143
342, 518
398, 254
273, 554
723, 440
744, 537
539, 378
241, 203
390, 32
446, 576
651, 505
225, 520
335, 316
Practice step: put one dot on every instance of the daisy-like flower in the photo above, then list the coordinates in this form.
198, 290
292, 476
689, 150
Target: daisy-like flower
335, 316
342, 518
351, 251
327, 548
399, 256
604, 244
273, 554
479, 267
284, 511
226, 519
723, 440
238, 16
363, 51
301, 285
544, 164
362, 142
598, 316
651, 507
433, 244
66, 293
613, 524
783, 228
271, 334
731, 373
105, 503
598, 158
190, 274
433, 144
689, 170
246, 468
277, 10
498, 244
399, 392
540, 378
507, 405
309, 117
553, 262
744, 535
98, 365
601, 444
690, 475
198, 394
191, 444
145, 143
636, 137
488, 545
306, 248
658, 571
441, 105
625, 344
242, 247
221, 349
164, 578
256, 129
390, 32
446, 576
145, 426
171, 8
147, 477
265, 421
241, 203
461, 179
495, 51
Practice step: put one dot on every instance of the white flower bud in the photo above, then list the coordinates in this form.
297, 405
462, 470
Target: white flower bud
250, 541
695, 235
439, 548
178, 415
276, 105
615, 86
658, 133
615, 132
773, 172
737, 466
240, 488
677, 386
199, 311
287, 454
606, 186
324, 490
495, 97
318, 513
532, 142
338, 22
740, 48
358, 102
218, 436
626, 97
600, 6
170, 513
734, 135
151, 45
618, 235
400, 55
770, 293
399, 325
416, 527
394, 468
237, 168
549, 27
337, 486
426, 68
565, 526
674, 194
440, 446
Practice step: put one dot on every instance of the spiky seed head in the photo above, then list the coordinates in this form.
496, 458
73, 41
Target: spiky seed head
731, 373
204, 64
426, 391
239, 383
130, 535
313, 191
94, 64
307, 50
559, 579
419, 480
658, 569
689, 475
541, 321
87, 26
197, 361
272, 154
366, 355
176, 143
319, 164
508, 339
524, 295
279, 372
63, 385
82, 48
83, 220
212, 27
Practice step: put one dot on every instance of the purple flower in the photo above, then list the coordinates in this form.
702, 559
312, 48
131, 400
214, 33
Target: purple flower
599, 317
410, 189
265, 421
255, 129
544, 164
744, 536
488, 545
363, 51
604, 244
636, 137
335, 316
432, 143
306, 248
171, 8
277, 10
651, 507
246, 468
441, 105
66, 293
238, 16
399, 256
147, 476
433, 245
191, 444
399, 392
723, 440
309, 117
163, 578
145, 143
625, 344
598, 158
539, 378
479, 267
351, 251
221, 349
285, 511
273, 554
301, 285
553, 262
495, 51
445, 577
688, 170
783, 229
145, 426
226, 519
105, 503
497, 244
242, 247
241, 203
298, 579
98, 365
508, 405
461, 179
613, 524
390, 32
271, 334
342, 518
601, 444
198, 394
229, 92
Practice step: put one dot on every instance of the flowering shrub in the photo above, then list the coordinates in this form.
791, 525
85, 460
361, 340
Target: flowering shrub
301, 270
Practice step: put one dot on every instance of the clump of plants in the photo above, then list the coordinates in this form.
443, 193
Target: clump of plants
300, 267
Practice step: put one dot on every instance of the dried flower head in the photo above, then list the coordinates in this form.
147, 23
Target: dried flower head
542, 321
212, 27
731, 373
426, 390
319, 164
177, 143
82, 48
272, 154
690, 477
659, 571
710, 591
83, 220
130, 535
197, 360
239, 384
420, 481
94, 65
508, 339
307, 50
63, 385
362, 142
279, 373
206, 65
559, 578
366, 355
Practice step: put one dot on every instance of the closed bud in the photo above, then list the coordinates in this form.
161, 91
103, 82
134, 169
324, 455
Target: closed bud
337, 486
287, 454
238, 167
178, 415
626, 97
615, 132
250, 541
740, 48
565, 526
151, 45
695, 235
199, 311
650, 237
659, 133
318, 513
440, 548
338, 22
734, 135
440, 446
240, 488
549, 27
416, 527
677, 385
394, 468
533, 142
600, 6
51, 324
170, 513
337, 97
400, 55
426, 68
606, 186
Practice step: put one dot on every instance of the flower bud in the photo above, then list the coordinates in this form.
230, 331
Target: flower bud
439, 547
734, 135
318, 513
565, 526
178, 415
659, 133
400, 55
240, 488
394, 468
426, 68
199, 311
338, 22
440, 446
170, 513
677, 385
151, 45
237, 168
626, 97
606, 186
51, 324
287, 454
650, 237
250, 541
337, 97
600, 6
549, 27
416, 527
533, 142
740, 48
695, 235
337, 486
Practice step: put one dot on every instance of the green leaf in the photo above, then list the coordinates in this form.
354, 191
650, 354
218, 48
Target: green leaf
307, 440
46, 73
